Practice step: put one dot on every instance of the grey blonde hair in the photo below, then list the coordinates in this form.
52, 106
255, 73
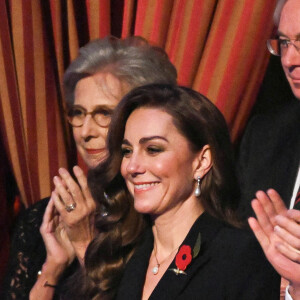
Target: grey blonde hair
277, 12
132, 60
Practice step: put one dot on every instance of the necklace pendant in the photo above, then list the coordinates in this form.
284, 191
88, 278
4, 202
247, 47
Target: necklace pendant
155, 269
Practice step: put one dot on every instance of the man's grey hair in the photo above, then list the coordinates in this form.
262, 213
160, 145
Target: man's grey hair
132, 60
277, 12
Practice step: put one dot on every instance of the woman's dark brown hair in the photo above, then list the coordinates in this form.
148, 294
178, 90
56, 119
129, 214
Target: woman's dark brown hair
120, 227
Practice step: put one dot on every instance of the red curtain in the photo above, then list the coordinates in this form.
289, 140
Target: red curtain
217, 46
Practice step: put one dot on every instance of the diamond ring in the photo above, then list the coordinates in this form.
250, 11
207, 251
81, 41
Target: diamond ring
70, 207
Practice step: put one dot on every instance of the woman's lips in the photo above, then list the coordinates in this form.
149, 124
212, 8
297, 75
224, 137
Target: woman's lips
143, 186
94, 151
295, 75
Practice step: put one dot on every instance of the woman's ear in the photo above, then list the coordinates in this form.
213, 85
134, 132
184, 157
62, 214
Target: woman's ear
203, 162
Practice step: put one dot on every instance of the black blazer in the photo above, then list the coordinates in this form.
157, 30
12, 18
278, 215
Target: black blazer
230, 266
270, 154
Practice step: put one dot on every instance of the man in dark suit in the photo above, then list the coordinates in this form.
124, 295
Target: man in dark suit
270, 150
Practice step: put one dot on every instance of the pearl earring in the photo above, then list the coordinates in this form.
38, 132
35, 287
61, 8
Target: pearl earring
198, 189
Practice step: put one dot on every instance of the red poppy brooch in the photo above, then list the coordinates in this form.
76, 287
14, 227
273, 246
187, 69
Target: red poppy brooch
184, 256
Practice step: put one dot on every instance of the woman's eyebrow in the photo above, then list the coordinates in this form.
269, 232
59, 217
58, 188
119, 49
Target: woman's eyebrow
154, 137
126, 142
106, 106
145, 140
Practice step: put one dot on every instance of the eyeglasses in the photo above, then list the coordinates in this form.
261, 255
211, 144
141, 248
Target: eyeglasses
279, 47
101, 115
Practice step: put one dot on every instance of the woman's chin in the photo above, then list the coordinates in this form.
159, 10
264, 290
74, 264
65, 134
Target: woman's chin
94, 162
143, 209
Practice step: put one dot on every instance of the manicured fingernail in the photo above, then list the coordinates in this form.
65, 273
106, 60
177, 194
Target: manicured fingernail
62, 171
276, 228
77, 170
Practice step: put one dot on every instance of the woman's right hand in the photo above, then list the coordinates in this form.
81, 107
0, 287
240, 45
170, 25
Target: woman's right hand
60, 252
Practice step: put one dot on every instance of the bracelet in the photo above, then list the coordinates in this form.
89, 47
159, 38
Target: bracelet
46, 282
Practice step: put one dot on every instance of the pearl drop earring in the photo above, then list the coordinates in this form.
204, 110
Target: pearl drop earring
198, 189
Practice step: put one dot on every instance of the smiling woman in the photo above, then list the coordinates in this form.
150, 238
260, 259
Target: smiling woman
159, 173
94, 83
170, 229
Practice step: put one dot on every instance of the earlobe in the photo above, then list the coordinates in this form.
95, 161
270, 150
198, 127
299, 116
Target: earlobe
204, 162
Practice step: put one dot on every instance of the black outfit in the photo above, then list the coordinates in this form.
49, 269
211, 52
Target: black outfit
270, 154
230, 265
28, 254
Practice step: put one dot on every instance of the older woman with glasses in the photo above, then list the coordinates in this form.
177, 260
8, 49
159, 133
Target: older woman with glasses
94, 83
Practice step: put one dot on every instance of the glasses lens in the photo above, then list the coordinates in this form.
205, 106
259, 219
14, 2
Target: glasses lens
102, 117
274, 47
76, 116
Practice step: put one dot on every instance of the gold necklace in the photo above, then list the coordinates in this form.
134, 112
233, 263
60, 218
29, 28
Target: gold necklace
155, 269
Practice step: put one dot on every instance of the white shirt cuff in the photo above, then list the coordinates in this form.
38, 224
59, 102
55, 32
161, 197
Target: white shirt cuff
287, 294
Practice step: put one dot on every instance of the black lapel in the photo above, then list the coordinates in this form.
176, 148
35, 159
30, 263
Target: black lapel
289, 149
171, 284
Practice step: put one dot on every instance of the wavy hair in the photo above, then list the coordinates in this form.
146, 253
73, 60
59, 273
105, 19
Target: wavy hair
132, 60
120, 227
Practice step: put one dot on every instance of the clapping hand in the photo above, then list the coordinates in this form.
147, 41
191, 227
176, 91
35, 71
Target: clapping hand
60, 252
76, 207
278, 231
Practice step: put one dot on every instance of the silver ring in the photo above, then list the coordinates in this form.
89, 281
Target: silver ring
70, 207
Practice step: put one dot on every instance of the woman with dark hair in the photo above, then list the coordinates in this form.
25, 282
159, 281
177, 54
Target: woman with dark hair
167, 225
94, 83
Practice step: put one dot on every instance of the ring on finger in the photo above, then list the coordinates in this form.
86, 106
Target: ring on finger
70, 207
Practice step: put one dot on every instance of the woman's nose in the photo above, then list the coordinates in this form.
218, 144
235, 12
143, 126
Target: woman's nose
89, 128
135, 165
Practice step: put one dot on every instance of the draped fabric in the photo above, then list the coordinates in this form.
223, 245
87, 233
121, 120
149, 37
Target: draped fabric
217, 46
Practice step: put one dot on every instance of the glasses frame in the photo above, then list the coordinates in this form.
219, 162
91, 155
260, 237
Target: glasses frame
288, 41
85, 112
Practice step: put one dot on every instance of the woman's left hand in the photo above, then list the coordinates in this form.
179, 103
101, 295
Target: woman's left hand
278, 231
76, 207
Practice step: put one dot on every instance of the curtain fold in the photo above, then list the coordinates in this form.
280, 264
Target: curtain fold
32, 124
217, 46
190, 25
98, 12
235, 56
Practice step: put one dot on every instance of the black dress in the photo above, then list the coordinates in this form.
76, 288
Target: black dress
28, 254
229, 266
